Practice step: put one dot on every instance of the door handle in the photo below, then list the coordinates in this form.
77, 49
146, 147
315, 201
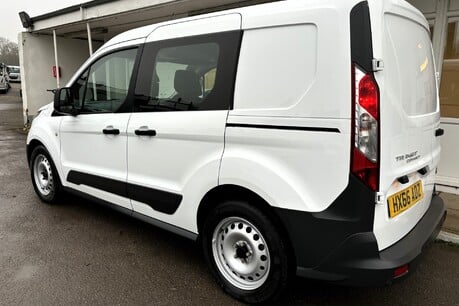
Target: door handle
439, 132
109, 130
145, 132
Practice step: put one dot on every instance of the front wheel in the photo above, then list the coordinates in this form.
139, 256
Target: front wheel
45, 179
246, 253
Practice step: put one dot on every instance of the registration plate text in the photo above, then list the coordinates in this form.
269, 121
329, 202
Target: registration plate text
404, 199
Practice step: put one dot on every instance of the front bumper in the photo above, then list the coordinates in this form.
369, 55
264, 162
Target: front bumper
356, 260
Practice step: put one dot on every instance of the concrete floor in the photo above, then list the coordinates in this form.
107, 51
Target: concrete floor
80, 253
452, 220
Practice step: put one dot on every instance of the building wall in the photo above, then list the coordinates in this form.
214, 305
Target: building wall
37, 59
443, 16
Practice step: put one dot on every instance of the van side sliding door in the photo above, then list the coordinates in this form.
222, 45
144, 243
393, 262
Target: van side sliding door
183, 93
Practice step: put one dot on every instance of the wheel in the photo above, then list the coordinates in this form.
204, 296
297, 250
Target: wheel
246, 254
45, 179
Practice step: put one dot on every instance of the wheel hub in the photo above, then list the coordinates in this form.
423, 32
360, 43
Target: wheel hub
241, 253
43, 175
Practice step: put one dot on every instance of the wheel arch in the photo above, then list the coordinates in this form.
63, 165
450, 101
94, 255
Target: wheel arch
223, 193
31, 146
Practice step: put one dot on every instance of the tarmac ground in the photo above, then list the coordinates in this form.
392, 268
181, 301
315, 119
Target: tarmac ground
78, 252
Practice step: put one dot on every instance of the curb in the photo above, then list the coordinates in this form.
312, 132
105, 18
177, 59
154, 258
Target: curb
448, 237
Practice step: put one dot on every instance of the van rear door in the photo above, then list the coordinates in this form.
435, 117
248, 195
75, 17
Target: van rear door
409, 117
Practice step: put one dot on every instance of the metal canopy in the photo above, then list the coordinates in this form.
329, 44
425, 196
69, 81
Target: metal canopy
108, 18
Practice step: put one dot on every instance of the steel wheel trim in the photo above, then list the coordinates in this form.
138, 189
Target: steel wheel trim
241, 253
43, 175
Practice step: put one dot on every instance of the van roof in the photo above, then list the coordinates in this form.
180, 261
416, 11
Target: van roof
252, 16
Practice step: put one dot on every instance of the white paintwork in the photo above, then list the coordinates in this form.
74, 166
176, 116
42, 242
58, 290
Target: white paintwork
277, 164
409, 111
46, 130
206, 25
299, 40
183, 158
85, 149
291, 51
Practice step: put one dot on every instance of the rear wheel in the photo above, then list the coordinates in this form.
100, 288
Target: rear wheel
246, 254
44, 175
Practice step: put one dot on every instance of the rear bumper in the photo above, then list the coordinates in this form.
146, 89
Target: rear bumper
358, 262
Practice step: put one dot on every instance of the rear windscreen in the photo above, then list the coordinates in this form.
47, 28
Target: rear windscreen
410, 57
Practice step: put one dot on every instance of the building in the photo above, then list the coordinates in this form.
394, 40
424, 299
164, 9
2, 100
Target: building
443, 17
67, 37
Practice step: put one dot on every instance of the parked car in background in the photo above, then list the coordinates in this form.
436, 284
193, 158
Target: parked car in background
4, 85
14, 74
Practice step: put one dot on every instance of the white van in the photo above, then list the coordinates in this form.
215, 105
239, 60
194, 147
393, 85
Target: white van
14, 73
297, 137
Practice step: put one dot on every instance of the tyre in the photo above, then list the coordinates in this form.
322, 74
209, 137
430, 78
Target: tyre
45, 178
246, 254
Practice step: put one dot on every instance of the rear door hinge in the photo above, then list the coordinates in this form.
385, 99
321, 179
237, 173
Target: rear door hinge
380, 198
378, 64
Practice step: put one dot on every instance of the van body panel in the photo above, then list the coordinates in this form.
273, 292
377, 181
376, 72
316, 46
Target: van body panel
282, 174
297, 51
271, 156
199, 26
409, 113
87, 130
182, 159
260, 100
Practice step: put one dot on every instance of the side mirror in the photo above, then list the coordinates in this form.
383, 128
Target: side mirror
63, 101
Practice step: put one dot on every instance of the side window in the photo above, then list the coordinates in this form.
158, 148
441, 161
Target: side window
105, 85
188, 74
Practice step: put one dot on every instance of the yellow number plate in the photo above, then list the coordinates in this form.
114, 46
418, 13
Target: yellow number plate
404, 199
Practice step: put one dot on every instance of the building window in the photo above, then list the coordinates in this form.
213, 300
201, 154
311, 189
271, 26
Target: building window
449, 89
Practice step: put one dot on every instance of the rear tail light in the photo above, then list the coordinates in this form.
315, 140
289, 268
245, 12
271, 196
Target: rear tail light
365, 127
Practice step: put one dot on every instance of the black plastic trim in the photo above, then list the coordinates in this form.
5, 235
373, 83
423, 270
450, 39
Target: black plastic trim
361, 42
403, 179
159, 200
166, 226
150, 133
344, 252
423, 170
111, 131
284, 127
98, 182
439, 132
163, 201
316, 235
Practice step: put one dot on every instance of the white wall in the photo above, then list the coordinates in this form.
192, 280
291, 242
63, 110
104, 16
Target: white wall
448, 169
36, 60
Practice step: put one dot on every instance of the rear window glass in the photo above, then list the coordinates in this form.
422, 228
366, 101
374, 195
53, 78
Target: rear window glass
409, 60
